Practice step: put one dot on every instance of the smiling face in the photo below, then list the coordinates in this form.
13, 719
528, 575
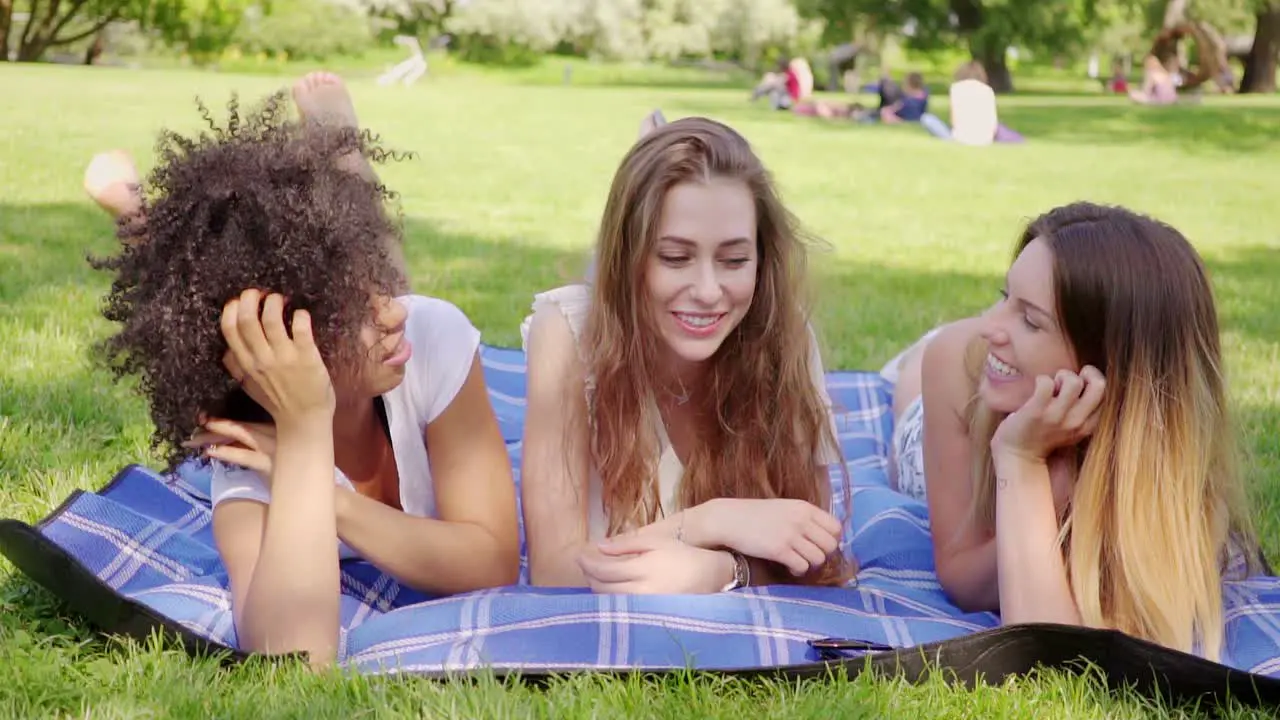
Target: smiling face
700, 275
1024, 335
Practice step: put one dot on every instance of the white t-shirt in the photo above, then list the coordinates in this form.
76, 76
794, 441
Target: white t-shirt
444, 346
973, 113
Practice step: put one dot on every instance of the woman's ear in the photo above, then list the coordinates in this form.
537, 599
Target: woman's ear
651, 122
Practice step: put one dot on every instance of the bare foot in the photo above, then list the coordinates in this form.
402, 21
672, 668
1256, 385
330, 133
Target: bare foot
112, 181
322, 98
651, 122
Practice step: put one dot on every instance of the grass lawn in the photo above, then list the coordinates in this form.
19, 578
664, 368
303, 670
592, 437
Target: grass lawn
501, 200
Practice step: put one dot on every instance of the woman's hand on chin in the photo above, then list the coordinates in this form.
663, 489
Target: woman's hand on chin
1061, 412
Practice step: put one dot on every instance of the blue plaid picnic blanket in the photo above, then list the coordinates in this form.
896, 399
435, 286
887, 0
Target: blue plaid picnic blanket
149, 537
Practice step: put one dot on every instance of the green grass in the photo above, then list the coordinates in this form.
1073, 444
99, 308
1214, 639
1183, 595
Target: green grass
501, 201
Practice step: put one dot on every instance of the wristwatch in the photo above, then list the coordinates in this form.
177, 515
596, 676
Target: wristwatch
741, 572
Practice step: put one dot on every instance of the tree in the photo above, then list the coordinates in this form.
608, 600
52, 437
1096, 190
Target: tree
988, 27
421, 18
54, 23
203, 27
1247, 30
747, 31
1260, 63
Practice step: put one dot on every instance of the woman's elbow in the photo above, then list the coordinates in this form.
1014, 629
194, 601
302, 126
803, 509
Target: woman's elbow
963, 590
506, 566
502, 566
317, 642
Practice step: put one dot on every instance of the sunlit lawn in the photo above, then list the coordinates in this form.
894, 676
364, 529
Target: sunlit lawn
500, 201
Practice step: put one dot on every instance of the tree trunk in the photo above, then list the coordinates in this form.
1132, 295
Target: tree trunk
1260, 65
1174, 13
983, 45
96, 48
6, 23
992, 57
1173, 55
47, 32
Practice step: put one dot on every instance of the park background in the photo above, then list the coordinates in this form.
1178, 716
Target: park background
516, 124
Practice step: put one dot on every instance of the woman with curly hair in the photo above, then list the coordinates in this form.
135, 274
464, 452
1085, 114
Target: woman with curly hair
258, 306
682, 411
1075, 437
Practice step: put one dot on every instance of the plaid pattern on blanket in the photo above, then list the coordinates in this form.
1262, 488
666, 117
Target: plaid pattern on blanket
150, 538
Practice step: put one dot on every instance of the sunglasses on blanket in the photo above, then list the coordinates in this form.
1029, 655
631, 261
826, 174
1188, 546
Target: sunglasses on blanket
834, 647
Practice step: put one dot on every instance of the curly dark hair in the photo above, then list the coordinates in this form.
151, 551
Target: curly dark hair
261, 203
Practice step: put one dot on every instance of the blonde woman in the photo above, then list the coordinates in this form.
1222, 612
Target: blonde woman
1075, 437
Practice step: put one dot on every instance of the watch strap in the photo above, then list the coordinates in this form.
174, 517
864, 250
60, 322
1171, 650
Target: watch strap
741, 572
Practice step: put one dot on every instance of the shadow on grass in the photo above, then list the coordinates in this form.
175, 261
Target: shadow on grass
27, 607
493, 280
1260, 428
863, 309
43, 247
79, 418
1244, 283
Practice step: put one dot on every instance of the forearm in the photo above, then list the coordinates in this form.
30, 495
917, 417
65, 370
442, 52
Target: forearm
970, 577
560, 571
429, 555
292, 603
703, 526
1033, 575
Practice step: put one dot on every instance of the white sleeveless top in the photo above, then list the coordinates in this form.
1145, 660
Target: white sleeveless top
973, 113
574, 302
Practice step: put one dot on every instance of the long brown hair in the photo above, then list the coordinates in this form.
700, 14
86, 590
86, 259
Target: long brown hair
1158, 501
766, 431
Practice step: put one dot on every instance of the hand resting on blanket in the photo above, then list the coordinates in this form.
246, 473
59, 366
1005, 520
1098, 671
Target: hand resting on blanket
686, 553
793, 533
652, 564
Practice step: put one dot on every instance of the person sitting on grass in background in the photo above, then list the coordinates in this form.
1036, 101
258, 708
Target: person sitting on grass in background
973, 106
913, 106
1074, 443
258, 303
913, 103
1158, 86
974, 119
832, 111
685, 439
888, 91
791, 84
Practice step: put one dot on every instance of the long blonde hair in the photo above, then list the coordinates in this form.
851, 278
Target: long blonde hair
1158, 501
766, 429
